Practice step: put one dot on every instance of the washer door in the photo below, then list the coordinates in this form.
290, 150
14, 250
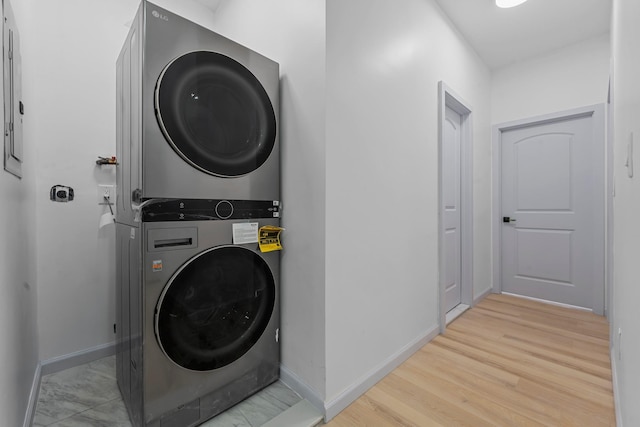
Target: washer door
215, 308
215, 114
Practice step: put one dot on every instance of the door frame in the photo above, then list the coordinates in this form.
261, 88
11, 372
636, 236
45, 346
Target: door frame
448, 98
596, 111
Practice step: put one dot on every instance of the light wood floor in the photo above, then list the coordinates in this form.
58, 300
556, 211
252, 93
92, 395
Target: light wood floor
506, 362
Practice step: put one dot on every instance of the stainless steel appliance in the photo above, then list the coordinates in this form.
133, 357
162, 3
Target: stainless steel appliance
198, 316
198, 152
197, 115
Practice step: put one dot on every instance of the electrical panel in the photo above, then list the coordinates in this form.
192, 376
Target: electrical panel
12, 92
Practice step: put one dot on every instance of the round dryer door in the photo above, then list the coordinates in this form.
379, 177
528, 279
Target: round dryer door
215, 308
215, 114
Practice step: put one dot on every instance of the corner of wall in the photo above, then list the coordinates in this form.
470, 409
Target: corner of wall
33, 397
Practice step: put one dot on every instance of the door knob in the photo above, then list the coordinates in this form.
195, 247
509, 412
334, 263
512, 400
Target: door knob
508, 219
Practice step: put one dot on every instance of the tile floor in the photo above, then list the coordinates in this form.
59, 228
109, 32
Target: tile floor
88, 396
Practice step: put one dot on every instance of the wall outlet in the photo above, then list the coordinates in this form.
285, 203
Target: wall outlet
108, 191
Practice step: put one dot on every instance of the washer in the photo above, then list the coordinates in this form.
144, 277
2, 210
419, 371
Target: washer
198, 317
197, 115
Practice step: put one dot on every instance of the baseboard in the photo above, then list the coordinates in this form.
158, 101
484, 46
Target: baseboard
482, 296
60, 363
616, 390
346, 398
33, 397
557, 304
296, 384
302, 414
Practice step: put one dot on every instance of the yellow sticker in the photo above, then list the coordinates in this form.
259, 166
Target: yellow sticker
269, 238
156, 265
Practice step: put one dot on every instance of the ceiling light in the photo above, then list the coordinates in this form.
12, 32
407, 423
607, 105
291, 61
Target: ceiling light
509, 3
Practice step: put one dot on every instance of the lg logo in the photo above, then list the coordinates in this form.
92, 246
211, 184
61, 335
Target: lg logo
158, 15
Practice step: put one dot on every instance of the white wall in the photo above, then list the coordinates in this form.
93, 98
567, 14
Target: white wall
575, 76
626, 291
18, 287
383, 67
73, 46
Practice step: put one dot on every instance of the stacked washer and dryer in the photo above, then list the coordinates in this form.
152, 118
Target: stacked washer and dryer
197, 143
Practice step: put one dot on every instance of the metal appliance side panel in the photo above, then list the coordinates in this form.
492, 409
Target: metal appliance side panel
123, 350
128, 119
135, 151
123, 126
136, 320
167, 385
120, 73
165, 173
129, 319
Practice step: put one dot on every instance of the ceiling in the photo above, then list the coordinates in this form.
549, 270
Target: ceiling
504, 36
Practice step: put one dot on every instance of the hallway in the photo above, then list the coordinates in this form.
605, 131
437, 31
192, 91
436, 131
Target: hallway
506, 362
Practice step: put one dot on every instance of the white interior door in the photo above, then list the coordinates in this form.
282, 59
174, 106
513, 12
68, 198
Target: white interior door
552, 192
451, 143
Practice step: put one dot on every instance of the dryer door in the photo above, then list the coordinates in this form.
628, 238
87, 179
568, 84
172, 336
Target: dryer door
215, 308
215, 114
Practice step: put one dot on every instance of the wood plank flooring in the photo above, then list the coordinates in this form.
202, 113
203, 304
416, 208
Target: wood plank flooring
506, 362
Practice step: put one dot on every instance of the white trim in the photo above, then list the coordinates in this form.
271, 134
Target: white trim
357, 389
597, 112
557, 304
496, 208
616, 390
299, 386
448, 98
60, 363
33, 397
302, 414
456, 312
609, 261
482, 296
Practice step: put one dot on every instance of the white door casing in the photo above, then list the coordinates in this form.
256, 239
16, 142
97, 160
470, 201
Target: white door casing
463, 172
451, 138
550, 182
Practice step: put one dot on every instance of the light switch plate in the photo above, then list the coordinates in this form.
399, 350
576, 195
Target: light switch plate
108, 191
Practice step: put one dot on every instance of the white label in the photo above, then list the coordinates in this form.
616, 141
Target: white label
132, 234
245, 232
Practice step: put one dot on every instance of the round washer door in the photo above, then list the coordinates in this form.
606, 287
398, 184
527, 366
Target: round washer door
215, 308
215, 114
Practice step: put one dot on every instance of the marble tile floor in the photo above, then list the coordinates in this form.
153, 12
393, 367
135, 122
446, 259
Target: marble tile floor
88, 396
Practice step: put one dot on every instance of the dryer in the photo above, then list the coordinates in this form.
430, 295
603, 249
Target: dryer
198, 316
197, 115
